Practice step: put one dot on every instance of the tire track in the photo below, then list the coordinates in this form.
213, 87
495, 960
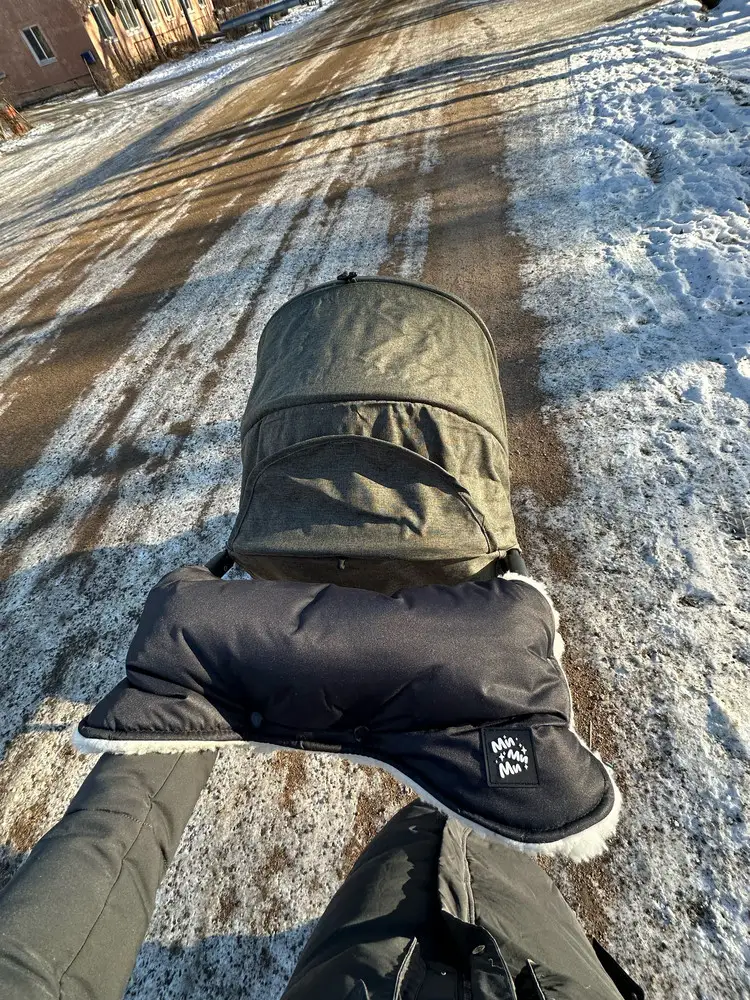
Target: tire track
397, 129
92, 465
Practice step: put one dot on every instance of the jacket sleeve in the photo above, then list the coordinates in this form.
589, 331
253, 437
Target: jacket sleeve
73, 918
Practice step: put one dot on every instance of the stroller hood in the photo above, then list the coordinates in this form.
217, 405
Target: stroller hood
288, 665
374, 442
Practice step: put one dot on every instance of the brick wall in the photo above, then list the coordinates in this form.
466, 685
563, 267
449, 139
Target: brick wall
70, 29
26, 79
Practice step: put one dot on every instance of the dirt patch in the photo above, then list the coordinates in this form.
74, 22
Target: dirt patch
10, 862
228, 903
315, 885
180, 354
26, 829
292, 772
374, 808
181, 429
652, 162
277, 861
276, 866
473, 253
589, 889
593, 708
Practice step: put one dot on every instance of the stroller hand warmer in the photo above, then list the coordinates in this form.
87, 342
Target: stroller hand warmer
455, 690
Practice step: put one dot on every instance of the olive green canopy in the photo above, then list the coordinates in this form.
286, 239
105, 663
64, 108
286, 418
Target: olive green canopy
374, 443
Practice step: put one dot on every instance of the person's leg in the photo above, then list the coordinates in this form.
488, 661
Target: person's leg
388, 901
429, 905
74, 916
540, 938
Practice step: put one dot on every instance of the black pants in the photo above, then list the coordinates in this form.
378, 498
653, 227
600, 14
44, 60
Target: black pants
428, 910
433, 912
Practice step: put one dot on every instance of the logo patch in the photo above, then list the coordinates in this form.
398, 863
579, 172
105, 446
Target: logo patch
509, 757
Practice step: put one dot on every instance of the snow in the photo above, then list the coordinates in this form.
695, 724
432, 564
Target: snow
631, 168
201, 70
718, 37
633, 196
271, 842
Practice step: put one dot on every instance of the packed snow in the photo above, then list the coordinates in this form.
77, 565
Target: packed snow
202, 69
630, 161
634, 198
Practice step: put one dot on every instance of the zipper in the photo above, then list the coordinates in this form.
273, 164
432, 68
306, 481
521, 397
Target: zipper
458, 491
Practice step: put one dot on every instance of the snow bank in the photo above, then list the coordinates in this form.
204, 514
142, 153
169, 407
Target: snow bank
719, 37
633, 195
216, 60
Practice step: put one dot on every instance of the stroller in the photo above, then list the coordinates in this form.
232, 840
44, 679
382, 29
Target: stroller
374, 443
389, 617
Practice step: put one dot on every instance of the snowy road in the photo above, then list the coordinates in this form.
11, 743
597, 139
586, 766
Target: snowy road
147, 237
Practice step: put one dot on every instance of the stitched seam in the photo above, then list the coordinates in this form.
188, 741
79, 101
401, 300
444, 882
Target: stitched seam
266, 463
467, 875
109, 812
336, 399
403, 969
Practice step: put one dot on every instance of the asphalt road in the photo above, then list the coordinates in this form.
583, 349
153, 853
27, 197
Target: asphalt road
138, 271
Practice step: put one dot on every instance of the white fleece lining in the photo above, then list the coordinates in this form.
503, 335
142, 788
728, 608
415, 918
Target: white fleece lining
576, 847
558, 646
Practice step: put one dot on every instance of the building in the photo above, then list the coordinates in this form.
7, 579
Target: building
49, 47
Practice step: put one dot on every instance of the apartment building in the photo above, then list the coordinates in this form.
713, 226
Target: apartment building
49, 47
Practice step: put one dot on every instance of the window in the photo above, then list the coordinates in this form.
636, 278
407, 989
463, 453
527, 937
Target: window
38, 44
151, 12
103, 22
128, 15
189, 4
166, 6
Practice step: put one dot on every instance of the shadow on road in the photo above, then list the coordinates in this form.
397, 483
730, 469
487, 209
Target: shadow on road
151, 153
220, 966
